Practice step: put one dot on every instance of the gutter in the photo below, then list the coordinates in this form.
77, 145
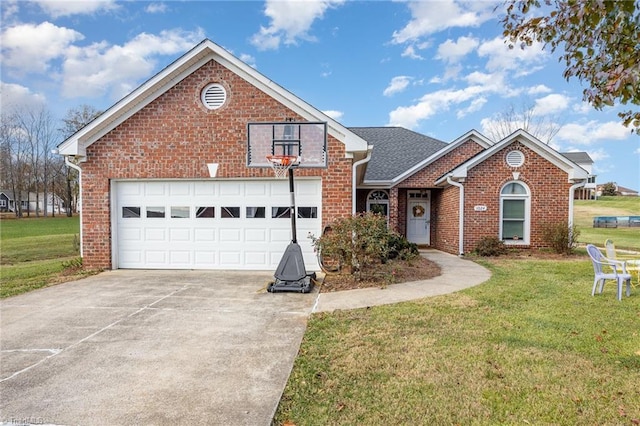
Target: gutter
571, 195
76, 167
460, 215
354, 176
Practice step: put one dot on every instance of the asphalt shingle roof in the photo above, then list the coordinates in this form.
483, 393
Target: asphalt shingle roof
395, 150
578, 157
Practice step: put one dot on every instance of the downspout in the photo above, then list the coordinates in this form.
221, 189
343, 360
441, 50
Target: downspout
571, 195
354, 176
79, 170
461, 215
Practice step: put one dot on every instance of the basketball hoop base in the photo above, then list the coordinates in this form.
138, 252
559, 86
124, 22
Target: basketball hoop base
291, 275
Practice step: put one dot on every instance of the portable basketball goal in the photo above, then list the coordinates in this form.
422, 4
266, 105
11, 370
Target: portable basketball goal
284, 147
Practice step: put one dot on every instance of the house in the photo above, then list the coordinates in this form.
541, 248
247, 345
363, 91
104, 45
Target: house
620, 190
582, 159
166, 181
31, 202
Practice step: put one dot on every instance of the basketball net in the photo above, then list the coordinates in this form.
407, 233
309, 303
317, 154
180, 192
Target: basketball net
282, 163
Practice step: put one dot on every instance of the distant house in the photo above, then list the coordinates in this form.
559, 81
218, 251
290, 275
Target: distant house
28, 202
582, 159
166, 182
620, 190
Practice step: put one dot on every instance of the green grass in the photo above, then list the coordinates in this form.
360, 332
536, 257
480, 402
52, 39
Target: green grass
585, 210
37, 252
530, 346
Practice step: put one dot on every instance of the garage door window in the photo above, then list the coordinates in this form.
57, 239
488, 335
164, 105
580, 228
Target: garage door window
180, 212
130, 212
230, 212
308, 212
280, 212
155, 212
255, 212
205, 212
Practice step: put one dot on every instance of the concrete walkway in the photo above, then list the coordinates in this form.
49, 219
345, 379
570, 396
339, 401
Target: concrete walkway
457, 274
170, 347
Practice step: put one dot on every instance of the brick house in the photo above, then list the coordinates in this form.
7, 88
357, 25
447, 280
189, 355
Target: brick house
165, 181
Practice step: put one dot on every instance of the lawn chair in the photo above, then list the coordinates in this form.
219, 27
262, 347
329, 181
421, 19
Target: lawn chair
608, 269
633, 265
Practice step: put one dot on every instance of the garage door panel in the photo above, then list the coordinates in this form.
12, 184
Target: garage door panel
202, 238
155, 234
204, 234
179, 235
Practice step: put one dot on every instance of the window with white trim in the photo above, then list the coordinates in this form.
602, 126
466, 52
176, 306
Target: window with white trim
378, 202
515, 206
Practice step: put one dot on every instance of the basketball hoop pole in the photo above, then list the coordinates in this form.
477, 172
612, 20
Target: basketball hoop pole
292, 195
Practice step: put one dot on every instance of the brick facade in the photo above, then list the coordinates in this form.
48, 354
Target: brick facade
175, 136
548, 185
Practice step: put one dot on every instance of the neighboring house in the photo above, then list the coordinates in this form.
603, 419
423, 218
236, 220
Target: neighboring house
55, 204
165, 182
620, 190
582, 159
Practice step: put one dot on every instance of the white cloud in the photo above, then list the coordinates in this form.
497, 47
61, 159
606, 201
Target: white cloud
501, 58
336, 115
551, 104
29, 48
539, 89
156, 8
410, 52
248, 59
436, 102
430, 17
476, 105
57, 8
397, 85
14, 96
453, 51
112, 69
290, 21
592, 132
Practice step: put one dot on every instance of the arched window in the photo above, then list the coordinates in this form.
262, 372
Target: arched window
515, 206
378, 202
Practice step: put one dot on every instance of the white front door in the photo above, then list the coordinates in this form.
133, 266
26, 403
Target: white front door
418, 217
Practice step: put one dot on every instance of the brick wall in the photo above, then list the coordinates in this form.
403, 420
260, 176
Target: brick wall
176, 136
549, 192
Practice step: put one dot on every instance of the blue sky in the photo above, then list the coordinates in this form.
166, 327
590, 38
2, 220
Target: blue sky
440, 68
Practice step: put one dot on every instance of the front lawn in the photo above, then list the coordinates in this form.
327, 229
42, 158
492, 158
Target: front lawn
530, 346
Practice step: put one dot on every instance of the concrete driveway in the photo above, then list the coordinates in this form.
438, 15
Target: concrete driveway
150, 347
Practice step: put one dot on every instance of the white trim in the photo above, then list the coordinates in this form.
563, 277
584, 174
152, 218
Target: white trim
370, 201
180, 69
526, 240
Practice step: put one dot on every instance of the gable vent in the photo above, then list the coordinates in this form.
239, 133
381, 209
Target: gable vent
515, 158
214, 96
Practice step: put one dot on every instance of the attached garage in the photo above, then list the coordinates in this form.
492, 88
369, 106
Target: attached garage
211, 224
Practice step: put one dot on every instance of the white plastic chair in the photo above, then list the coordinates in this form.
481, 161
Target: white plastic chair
608, 269
632, 265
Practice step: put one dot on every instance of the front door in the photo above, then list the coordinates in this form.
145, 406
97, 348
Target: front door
418, 217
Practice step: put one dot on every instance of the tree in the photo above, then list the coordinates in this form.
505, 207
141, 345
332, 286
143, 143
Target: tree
599, 41
610, 188
75, 119
525, 118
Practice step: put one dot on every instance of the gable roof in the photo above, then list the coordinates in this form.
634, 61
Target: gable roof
395, 150
574, 171
204, 52
579, 157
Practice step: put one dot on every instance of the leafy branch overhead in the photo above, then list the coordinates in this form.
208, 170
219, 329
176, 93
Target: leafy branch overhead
598, 40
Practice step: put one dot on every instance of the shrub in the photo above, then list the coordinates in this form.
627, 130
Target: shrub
560, 237
490, 246
362, 243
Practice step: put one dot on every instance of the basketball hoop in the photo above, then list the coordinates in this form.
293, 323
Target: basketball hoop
282, 163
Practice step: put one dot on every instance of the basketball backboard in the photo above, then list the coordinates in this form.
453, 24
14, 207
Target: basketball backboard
306, 140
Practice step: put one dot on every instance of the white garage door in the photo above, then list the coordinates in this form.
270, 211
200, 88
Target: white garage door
232, 224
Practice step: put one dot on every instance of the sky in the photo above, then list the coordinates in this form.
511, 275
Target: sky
440, 68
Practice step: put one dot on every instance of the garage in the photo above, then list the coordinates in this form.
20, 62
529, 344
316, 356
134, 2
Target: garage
211, 224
